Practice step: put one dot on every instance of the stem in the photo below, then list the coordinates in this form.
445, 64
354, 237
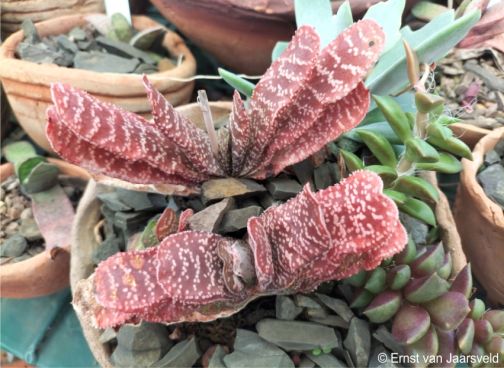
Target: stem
420, 85
421, 124
405, 167
209, 124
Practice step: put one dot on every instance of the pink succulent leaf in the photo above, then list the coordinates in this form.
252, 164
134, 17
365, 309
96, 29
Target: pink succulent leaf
297, 234
200, 276
192, 273
239, 128
115, 130
338, 73
192, 141
80, 152
183, 222
343, 63
283, 79
363, 224
238, 265
336, 119
127, 282
224, 149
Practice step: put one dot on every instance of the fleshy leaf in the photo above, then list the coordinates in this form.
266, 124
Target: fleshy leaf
200, 276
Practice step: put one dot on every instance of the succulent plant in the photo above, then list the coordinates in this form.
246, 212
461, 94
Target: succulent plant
308, 97
202, 276
429, 312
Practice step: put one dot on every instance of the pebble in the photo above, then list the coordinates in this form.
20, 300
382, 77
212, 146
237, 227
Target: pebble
304, 171
358, 342
492, 181
283, 188
218, 189
14, 212
107, 248
236, 220
183, 354
326, 361
108, 335
251, 351
27, 213
216, 359
210, 218
103, 62
2, 194
122, 357
30, 230
13, 246
492, 157
297, 335
338, 306
417, 229
12, 228
286, 309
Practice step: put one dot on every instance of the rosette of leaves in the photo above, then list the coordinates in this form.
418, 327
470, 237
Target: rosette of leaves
428, 311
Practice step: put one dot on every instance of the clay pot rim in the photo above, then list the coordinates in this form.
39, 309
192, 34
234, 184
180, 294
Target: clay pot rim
468, 178
172, 42
45, 265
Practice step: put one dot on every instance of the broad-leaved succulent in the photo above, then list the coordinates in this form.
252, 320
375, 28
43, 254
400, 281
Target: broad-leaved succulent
307, 98
293, 247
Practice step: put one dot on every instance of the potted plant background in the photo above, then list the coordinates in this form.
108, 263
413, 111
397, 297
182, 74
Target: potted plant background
26, 83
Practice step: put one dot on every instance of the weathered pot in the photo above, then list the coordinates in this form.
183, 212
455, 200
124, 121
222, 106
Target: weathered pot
481, 222
15, 11
47, 272
246, 29
84, 241
27, 84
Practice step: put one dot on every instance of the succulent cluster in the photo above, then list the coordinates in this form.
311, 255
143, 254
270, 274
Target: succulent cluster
430, 311
308, 97
292, 247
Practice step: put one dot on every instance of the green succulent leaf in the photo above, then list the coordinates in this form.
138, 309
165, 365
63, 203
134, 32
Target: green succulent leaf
426, 10
447, 164
416, 187
452, 145
36, 175
237, 82
380, 147
387, 174
383, 307
398, 277
18, 152
394, 115
419, 210
425, 289
358, 279
430, 43
477, 308
398, 197
408, 254
429, 261
376, 281
352, 162
361, 298
418, 150
149, 237
318, 14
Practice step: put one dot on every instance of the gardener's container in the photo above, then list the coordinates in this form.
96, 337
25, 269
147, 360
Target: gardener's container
84, 240
27, 84
481, 222
468, 133
46, 272
15, 11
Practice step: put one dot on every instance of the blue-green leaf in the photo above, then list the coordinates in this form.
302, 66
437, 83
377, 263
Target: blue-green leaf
278, 49
242, 85
431, 43
343, 18
388, 15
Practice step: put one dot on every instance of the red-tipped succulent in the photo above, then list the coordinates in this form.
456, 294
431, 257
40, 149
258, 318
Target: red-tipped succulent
200, 276
307, 98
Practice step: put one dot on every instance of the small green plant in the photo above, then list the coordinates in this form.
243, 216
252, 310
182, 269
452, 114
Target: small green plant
429, 309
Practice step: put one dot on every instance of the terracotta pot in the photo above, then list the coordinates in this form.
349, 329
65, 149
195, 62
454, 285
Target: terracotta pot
47, 272
27, 84
469, 133
15, 11
84, 242
481, 222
